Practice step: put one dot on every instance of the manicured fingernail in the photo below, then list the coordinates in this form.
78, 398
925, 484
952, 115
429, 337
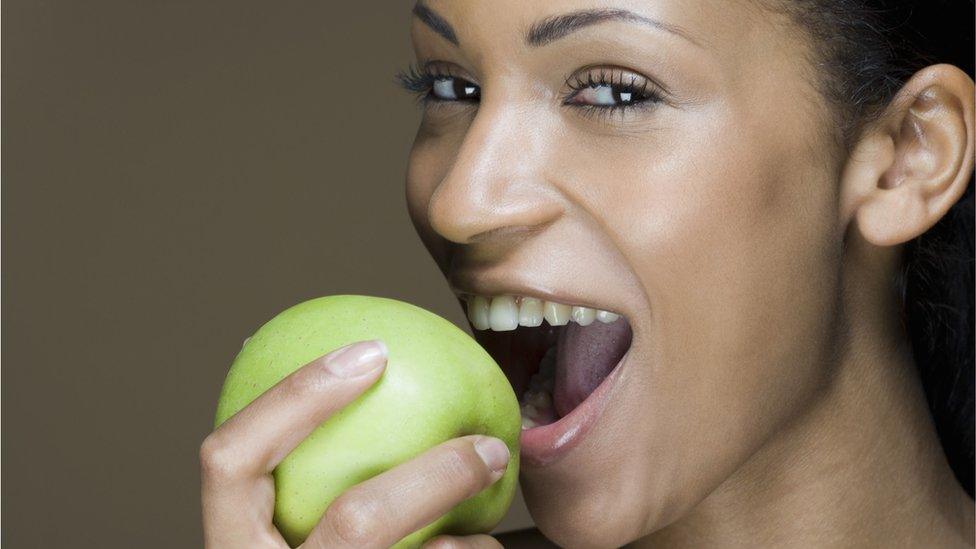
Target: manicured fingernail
493, 452
358, 359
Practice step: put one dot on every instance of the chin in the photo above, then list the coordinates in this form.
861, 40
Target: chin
592, 517
597, 497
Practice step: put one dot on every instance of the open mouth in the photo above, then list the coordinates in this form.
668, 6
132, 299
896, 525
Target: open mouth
555, 355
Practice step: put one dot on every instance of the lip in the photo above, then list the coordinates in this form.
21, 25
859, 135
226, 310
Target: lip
546, 444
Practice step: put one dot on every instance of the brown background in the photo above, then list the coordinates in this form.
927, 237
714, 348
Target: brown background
175, 174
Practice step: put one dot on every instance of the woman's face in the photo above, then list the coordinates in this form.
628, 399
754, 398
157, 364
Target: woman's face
664, 160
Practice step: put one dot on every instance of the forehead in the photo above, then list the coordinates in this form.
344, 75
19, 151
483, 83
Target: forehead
719, 26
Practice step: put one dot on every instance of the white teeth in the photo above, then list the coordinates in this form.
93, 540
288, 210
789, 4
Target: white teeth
607, 317
478, 312
556, 314
503, 315
530, 312
583, 316
536, 404
540, 400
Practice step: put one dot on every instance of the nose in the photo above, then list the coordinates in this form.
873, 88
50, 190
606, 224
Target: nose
497, 184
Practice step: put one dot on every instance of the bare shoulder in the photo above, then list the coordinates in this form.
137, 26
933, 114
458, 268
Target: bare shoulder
530, 538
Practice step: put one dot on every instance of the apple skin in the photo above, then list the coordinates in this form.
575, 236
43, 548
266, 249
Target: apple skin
439, 384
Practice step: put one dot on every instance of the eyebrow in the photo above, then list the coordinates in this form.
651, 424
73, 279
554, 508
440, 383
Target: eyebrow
553, 28
556, 27
436, 23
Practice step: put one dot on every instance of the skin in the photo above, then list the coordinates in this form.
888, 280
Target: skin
769, 397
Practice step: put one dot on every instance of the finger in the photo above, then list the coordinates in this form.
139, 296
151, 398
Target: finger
479, 541
236, 459
258, 437
394, 504
242, 518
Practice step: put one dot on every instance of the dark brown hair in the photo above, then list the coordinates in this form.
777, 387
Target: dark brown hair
865, 51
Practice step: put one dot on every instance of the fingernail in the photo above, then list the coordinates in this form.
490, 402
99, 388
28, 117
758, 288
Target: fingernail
358, 359
493, 452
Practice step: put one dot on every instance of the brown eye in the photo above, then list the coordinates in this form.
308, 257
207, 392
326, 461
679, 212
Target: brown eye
611, 89
452, 88
606, 95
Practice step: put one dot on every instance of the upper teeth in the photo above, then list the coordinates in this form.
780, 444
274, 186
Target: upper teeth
583, 315
506, 312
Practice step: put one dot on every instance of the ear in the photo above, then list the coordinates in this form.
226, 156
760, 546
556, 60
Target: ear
907, 170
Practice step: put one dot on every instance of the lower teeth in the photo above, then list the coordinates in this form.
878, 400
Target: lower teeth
540, 400
536, 403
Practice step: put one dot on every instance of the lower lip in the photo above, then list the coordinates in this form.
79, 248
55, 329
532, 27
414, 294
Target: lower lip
546, 444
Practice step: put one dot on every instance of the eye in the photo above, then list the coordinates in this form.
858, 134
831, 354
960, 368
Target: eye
452, 88
610, 88
605, 95
436, 81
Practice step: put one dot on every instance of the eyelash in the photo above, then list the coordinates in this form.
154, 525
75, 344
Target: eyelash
420, 81
620, 81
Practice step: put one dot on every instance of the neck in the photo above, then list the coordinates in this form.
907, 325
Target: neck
862, 466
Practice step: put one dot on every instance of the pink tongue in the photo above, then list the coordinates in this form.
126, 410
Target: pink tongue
585, 355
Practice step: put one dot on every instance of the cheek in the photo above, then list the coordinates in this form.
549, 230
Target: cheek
435, 148
419, 187
741, 272
735, 248
430, 160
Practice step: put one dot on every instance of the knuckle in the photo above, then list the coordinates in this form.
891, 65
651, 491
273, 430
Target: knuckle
458, 542
353, 521
218, 459
441, 542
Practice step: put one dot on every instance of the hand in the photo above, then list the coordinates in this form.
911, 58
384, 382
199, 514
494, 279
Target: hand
238, 457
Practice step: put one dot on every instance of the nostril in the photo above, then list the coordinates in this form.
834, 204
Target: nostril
506, 233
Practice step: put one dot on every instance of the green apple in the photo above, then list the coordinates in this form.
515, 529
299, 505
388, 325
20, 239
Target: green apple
439, 384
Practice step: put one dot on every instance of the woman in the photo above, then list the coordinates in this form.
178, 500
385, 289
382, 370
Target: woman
740, 223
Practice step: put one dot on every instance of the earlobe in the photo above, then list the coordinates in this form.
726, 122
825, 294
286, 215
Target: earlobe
911, 167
